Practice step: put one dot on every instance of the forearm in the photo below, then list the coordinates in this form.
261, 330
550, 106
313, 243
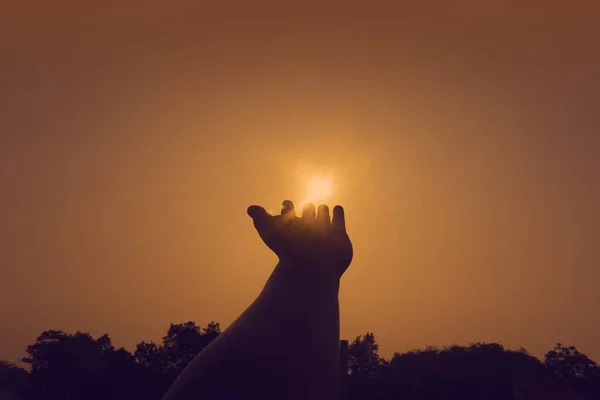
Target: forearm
304, 312
286, 341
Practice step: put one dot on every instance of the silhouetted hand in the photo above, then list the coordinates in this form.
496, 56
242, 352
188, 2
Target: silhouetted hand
315, 240
298, 308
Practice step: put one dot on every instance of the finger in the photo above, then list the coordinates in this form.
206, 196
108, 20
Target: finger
308, 213
339, 220
259, 216
287, 210
323, 214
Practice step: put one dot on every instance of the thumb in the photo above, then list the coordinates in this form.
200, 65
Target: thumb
259, 216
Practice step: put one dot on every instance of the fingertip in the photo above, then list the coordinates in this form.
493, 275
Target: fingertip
323, 213
338, 210
286, 207
309, 211
339, 219
256, 211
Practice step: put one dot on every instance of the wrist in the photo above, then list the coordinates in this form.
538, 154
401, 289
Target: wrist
303, 280
294, 291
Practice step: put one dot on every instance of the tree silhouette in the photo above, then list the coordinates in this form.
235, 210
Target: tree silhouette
481, 370
183, 342
566, 362
364, 365
78, 366
567, 365
363, 356
62, 364
14, 379
150, 356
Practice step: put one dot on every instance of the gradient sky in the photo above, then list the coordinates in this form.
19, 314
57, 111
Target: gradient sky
463, 139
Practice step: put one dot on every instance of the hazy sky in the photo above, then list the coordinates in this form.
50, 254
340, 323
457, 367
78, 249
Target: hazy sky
463, 139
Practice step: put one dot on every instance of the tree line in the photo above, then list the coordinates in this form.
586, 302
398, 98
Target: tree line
78, 366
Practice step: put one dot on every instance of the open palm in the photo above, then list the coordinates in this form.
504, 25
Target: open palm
315, 240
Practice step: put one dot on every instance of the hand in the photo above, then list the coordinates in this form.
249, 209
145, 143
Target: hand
311, 241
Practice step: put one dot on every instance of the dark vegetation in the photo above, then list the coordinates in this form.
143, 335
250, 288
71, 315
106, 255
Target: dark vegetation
78, 366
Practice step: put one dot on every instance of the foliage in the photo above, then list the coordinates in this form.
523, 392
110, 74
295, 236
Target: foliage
79, 366
566, 362
363, 356
14, 379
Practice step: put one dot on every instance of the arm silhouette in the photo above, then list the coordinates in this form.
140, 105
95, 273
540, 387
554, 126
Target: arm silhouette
285, 345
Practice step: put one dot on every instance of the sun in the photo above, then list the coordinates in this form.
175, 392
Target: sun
319, 189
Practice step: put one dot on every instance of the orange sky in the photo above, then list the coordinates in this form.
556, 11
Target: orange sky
463, 140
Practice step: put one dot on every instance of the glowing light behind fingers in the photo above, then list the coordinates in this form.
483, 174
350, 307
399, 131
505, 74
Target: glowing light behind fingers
317, 183
319, 189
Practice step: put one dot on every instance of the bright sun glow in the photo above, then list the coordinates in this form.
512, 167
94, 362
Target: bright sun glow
319, 189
